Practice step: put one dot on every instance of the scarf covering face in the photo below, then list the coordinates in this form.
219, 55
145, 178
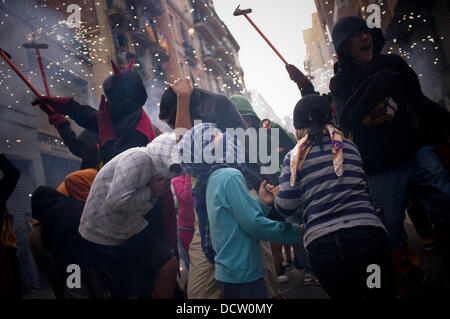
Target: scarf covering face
301, 150
200, 157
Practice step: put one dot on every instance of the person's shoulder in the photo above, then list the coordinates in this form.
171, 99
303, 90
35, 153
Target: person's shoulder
82, 174
129, 155
225, 179
349, 144
393, 61
205, 93
336, 83
391, 57
226, 176
216, 96
228, 172
287, 157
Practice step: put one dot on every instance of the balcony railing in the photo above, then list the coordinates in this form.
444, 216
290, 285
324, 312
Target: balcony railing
189, 53
151, 7
224, 51
202, 7
217, 24
212, 61
119, 18
159, 52
142, 37
207, 31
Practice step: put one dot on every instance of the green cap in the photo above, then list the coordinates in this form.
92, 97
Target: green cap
243, 105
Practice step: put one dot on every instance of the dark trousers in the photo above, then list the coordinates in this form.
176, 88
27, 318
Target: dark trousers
340, 261
10, 280
133, 266
249, 290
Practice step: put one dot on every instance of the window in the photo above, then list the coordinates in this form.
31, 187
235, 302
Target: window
183, 32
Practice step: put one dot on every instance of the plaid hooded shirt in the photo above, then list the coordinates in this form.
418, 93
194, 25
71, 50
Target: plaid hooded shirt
120, 195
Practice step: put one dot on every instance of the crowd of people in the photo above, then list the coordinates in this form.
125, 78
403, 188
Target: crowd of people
362, 155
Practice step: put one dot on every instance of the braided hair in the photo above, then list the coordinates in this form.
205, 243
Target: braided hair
312, 112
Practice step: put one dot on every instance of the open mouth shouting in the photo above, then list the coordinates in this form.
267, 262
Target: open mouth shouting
366, 47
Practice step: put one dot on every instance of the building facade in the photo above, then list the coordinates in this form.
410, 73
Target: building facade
319, 60
166, 38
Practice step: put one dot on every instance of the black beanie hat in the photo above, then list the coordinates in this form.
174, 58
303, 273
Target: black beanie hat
313, 111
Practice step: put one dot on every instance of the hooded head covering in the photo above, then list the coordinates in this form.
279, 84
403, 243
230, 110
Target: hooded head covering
204, 105
42, 199
78, 184
163, 152
60, 218
346, 26
246, 110
125, 91
201, 154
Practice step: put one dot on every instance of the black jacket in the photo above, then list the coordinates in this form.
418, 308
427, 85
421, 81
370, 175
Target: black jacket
387, 131
129, 130
60, 217
83, 146
215, 108
8, 183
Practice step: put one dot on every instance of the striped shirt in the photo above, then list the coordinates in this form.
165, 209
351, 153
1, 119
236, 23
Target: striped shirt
327, 202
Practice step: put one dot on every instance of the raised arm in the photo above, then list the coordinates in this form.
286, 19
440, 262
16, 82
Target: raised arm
183, 89
304, 85
84, 115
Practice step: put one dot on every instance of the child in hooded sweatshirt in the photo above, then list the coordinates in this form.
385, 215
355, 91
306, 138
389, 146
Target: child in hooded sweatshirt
323, 178
116, 224
235, 221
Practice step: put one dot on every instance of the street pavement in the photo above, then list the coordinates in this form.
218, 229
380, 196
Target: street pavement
431, 264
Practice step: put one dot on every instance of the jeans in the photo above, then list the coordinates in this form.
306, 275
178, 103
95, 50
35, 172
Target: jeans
424, 177
184, 255
301, 255
428, 182
340, 262
249, 290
